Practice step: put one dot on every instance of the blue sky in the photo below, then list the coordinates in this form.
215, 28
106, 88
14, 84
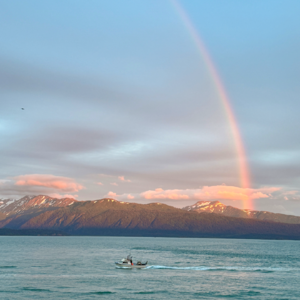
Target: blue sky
118, 100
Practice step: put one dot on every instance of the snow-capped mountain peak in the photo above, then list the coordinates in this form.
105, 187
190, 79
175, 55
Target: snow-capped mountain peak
206, 206
13, 206
230, 211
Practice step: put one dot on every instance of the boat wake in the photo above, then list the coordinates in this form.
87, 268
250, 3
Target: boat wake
232, 269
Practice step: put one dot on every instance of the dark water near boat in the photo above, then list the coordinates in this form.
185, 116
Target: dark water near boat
83, 268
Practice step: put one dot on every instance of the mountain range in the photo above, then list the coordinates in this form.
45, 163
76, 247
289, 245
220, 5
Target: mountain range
217, 207
32, 203
111, 217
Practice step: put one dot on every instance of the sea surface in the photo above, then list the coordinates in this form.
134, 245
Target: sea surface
179, 268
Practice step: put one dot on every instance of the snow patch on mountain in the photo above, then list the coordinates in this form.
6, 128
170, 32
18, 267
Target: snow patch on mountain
230, 211
13, 206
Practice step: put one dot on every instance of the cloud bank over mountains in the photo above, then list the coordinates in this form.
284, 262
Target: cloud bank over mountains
210, 193
220, 192
33, 184
64, 187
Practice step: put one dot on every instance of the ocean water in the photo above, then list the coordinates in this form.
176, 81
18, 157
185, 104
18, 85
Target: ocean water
179, 268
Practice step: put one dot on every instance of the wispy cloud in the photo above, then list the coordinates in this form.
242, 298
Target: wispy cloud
166, 194
39, 184
105, 175
291, 196
122, 178
219, 192
48, 181
112, 195
119, 197
59, 196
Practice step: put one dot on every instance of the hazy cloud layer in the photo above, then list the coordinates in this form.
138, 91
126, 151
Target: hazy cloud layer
117, 95
210, 193
220, 192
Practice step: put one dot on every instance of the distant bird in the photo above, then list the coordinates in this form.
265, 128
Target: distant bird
23, 108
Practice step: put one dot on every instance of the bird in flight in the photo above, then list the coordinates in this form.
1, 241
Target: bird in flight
22, 108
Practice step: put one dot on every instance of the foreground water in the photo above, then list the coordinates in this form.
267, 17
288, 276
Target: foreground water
83, 268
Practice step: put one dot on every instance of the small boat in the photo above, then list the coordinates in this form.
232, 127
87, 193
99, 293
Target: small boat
127, 263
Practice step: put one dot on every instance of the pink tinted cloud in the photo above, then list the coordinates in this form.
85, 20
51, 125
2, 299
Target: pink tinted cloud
112, 195
99, 183
165, 194
219, 192
233, 193
58, 196
119, 197
49, 181
291, 195
122, 178
114, 183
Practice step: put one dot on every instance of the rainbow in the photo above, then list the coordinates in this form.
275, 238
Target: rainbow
239, 146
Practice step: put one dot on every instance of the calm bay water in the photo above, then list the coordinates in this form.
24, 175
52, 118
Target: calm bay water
83, 268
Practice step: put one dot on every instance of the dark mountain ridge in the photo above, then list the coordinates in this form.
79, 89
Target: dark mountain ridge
112, 217
16, 212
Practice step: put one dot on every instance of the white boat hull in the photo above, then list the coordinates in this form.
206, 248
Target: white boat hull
129, 266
